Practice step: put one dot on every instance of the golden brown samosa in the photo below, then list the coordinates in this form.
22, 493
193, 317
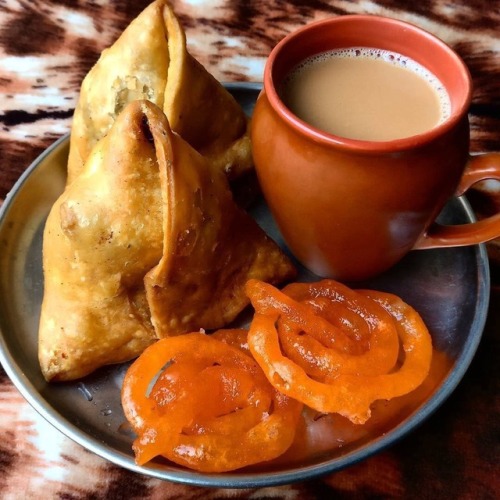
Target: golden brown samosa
150, 61
146, 242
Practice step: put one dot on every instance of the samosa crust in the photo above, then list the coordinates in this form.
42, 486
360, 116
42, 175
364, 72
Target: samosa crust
150, 61
146, 242
102, 236
211, 246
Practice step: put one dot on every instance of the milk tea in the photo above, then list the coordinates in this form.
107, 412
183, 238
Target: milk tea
366, 94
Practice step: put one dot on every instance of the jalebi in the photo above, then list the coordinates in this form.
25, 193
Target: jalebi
306, 354
205, 404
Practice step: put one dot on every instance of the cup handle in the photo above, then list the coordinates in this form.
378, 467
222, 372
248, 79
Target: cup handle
479, 167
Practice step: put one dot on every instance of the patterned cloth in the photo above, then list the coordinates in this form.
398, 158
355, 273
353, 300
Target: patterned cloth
46, 48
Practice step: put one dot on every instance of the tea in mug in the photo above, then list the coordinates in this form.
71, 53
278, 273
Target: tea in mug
366, 94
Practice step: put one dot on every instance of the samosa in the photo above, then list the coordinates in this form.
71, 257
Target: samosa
150, 61
146, 242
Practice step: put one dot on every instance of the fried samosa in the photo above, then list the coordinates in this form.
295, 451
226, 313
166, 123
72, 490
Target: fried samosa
150, 61
146, 242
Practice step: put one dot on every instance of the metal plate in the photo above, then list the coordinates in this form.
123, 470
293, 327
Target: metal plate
449, 287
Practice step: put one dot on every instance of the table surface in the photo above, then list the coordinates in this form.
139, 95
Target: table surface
47, 47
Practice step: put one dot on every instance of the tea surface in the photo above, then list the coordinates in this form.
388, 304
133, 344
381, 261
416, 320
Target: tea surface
366, 94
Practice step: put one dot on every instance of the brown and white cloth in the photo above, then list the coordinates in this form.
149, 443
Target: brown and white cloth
47, 47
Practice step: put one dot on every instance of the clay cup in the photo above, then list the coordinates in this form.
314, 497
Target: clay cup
350, 209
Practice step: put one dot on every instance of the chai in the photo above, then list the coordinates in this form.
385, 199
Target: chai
365, 94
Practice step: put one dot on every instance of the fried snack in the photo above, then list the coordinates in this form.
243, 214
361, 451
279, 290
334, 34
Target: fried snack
150, 61
237, 337
211, 248
330, 384
346, 332
146, 242
240, 421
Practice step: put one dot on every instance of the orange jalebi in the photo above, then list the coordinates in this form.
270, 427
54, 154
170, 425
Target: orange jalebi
210, 406
304, 339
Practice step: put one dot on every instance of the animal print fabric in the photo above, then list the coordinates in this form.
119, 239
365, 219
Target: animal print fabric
46, 48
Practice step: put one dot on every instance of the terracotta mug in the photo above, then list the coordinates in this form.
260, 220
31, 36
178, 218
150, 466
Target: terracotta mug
350, 209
